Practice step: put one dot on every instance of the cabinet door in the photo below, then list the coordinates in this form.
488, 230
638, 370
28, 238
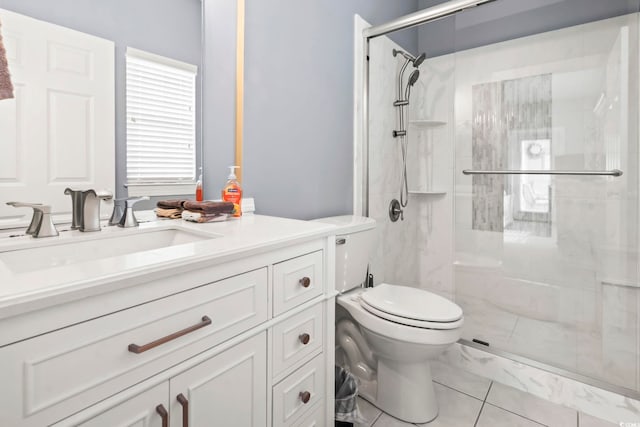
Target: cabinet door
228, 390
139, 411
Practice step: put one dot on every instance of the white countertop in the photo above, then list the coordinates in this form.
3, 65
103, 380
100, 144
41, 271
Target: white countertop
22, 287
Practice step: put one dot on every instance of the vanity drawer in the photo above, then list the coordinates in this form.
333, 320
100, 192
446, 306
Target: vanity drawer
296, 338
305, 384
296, 280
314, 419
64, 371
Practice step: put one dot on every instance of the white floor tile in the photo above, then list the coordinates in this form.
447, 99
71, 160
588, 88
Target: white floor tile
589, 421
455, 409
368, 412
492, 416
460, 380
388, 421
531, 407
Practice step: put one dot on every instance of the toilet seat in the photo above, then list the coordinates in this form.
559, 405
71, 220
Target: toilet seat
411, 322
412, 307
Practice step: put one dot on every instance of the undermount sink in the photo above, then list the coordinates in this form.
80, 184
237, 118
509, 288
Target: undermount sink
94, 247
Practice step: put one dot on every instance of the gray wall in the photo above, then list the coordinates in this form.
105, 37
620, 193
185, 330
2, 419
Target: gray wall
165, 27
509, 19
298, 129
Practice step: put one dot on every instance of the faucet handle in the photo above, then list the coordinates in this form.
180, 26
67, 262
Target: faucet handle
35, 219
118, 211
46, 227
41, 223
129, 219
134, 200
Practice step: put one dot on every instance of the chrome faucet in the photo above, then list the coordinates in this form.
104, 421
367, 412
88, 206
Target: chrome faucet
41, 222
129, 219
90, 203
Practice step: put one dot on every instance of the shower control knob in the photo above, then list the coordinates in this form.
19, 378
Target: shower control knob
305, 282
304, 338
305, 396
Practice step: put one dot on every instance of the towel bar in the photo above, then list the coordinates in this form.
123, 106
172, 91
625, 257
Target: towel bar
613, 172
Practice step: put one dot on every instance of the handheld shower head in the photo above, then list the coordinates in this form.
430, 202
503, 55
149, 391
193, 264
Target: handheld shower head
413, 78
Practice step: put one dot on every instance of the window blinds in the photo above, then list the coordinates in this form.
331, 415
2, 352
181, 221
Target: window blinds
161, 119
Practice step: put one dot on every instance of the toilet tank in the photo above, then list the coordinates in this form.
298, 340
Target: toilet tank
355, 237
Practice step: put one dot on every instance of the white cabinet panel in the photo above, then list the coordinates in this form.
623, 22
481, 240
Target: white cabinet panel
297, 338
297, 280
227, 390
299, 392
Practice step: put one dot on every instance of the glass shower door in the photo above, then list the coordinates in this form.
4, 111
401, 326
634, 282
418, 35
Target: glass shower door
546, 266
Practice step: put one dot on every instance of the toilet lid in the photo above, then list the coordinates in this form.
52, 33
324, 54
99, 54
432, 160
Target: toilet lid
411, 303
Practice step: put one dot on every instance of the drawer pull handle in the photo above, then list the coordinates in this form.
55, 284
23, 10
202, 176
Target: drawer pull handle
305, 396
185, 409
304, 338
137, 349
305, 282
164, 415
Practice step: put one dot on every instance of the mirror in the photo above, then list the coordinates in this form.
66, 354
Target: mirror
163, 27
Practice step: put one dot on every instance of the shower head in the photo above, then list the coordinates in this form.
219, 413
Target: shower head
416, 60
419, 60
413, 78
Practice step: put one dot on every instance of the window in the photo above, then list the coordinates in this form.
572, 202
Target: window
161, 125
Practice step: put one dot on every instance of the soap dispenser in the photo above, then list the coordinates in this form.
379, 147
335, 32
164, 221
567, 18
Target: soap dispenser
232, 192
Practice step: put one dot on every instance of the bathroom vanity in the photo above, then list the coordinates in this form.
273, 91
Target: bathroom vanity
221, 324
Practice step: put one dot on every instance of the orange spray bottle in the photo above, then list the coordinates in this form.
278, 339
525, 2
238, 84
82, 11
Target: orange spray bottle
199, 187
232, 192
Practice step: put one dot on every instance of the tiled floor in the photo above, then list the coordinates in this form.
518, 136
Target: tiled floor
467, 400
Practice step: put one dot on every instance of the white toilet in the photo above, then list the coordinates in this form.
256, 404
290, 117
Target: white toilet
390, 333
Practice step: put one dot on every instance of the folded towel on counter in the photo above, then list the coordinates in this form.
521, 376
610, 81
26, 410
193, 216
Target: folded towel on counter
6, 87
202, 217
169, 213
209, 208
171, 204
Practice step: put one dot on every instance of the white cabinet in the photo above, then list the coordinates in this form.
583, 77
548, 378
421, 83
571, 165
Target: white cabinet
227, 390
246, 343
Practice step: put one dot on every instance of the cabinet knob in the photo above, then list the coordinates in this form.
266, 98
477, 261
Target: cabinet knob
305, 396
305, 282
304, 338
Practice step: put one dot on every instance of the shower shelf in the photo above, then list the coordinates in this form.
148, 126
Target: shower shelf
428, 193
427, 124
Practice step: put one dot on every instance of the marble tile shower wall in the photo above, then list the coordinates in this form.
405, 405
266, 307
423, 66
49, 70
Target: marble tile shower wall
417, 251
571, 299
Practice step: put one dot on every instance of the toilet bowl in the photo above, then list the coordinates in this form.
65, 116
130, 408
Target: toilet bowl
388, 334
